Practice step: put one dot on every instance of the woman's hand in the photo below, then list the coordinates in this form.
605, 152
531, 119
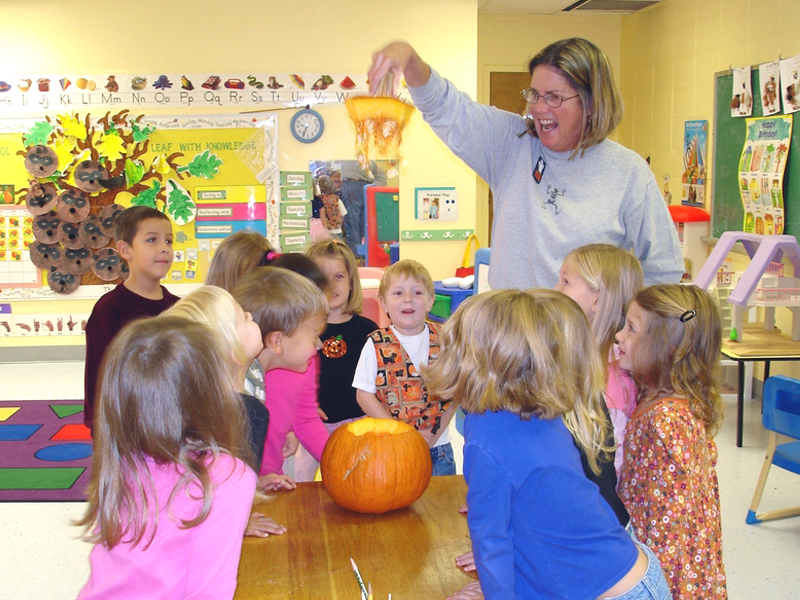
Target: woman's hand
402, 60
275, 483
260, 526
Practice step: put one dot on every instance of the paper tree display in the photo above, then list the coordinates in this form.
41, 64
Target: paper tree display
81, 175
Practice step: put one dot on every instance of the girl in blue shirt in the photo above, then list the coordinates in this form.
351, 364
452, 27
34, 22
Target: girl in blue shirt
525, 367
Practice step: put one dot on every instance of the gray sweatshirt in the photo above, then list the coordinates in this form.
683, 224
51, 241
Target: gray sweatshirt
608, 195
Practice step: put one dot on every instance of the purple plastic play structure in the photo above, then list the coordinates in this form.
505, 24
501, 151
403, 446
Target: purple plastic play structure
763, 251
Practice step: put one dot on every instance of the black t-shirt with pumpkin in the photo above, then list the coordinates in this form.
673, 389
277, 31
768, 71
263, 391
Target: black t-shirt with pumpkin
341, 348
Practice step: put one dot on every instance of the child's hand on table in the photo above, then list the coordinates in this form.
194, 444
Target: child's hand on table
260, 526
471, 591
291, 445
275, 483
466, 562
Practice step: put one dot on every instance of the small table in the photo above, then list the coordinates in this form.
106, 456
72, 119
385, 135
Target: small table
758, 345
409, 553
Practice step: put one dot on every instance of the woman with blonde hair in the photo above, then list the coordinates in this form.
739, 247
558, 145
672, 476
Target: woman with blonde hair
558, 182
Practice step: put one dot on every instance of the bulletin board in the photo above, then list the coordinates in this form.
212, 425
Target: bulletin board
229, 176
727, 213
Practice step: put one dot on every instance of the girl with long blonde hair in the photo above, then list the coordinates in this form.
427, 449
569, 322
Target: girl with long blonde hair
602, 279
525, 367
171, 486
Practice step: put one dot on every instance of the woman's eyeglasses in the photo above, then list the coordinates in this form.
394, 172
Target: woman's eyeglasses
552, 100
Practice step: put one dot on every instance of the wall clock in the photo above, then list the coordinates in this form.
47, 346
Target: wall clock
307, 126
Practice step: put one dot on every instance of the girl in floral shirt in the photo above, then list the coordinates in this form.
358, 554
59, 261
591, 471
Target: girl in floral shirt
670, 344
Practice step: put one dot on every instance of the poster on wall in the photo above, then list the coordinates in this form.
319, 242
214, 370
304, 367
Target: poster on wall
769, 75
761, 169
695, 147
790, 84
742, 100
438, 203
16, 236
72, 175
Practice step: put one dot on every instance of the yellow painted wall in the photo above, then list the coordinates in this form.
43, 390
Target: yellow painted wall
278, 35
506, 43
669, 55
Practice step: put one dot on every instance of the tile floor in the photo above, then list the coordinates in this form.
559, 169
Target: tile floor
41, 558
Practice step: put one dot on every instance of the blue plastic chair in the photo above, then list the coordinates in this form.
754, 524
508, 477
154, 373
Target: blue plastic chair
781, 415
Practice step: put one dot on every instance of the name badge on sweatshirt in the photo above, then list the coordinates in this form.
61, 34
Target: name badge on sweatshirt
538, 170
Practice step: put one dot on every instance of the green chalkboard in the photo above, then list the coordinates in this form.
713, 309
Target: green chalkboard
387, 209
727, 213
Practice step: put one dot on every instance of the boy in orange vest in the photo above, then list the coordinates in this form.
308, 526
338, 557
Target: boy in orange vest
388, 380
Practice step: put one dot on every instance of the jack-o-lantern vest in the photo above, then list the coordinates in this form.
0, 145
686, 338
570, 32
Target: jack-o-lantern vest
400, 387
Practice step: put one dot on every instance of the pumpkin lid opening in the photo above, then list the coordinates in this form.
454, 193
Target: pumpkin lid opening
376, 426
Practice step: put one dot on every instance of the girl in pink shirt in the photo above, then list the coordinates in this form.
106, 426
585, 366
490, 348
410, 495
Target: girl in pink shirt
290, 395
214, 306
602, 279
291, 312
171, 487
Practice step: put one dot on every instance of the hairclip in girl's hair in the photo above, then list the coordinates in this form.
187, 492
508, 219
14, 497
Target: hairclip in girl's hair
688, 315
267, 257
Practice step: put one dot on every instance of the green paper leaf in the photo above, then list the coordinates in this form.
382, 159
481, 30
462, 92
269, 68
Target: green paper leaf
38, 134
134, 171
179, 203
140, 134
148, 197
204, 165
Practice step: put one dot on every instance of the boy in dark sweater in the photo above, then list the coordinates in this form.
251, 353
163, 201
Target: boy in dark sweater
144, 240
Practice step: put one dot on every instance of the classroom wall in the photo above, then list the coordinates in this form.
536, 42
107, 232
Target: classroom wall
669, 55
282, 36
507, 42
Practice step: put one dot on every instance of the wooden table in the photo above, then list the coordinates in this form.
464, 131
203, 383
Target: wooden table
409, 553
758, 345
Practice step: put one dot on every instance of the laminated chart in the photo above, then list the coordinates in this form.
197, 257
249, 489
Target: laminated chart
222, 211
761, 169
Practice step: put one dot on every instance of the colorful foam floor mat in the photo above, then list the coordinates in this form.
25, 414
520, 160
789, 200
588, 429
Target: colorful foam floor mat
45, 451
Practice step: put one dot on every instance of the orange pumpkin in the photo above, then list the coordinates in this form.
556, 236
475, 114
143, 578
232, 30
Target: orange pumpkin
376, 465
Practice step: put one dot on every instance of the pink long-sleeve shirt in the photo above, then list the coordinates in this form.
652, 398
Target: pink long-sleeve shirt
292, 402
200, 562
